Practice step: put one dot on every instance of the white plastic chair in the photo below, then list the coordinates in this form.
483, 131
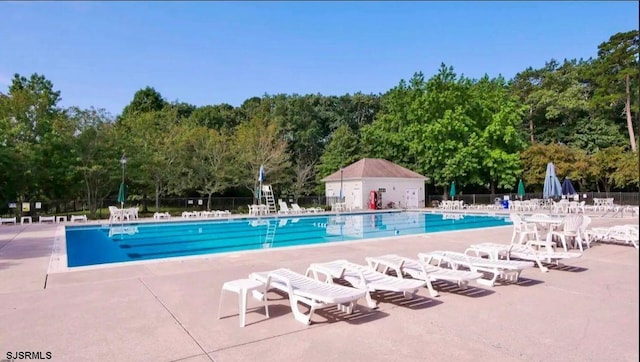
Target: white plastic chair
586, 221
115, 214
523, 229
297, 209
570, 228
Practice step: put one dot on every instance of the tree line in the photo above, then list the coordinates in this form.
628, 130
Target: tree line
485, 134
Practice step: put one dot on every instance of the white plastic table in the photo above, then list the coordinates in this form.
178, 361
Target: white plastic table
549, 223
24, 219
242, 287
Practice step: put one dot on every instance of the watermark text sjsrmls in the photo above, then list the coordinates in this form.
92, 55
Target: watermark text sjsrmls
26, 356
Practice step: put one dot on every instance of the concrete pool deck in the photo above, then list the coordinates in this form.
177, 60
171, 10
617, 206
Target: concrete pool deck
586, 310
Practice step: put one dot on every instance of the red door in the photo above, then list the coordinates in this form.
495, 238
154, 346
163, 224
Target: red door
373, 200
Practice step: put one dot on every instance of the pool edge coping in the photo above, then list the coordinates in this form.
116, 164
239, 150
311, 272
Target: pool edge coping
58, 262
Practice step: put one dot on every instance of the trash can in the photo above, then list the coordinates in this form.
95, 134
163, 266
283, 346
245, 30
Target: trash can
505, 204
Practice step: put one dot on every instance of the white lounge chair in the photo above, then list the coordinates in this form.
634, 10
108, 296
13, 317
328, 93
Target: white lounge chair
421, 270
189, 214
284, 209
619, 233
526, 252
81, 218
366, 278
51, 219
8, 220
624, 233
161, 215
308, 291
507, 269
297, 209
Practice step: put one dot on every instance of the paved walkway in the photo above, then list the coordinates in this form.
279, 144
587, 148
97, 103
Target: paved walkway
586, 310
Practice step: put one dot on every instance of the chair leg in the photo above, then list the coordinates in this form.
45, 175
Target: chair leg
578, 241
243, 306
432, 291
266, 305
220, 304
521, 239
563, 239
298, 314
371, 303
489, 282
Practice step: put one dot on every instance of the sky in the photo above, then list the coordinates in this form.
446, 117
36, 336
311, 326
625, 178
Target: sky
98, 54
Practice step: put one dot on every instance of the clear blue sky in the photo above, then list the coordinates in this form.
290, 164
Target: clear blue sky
100, 53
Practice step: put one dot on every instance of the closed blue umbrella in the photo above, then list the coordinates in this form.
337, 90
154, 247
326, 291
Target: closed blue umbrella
552, 187
567, 187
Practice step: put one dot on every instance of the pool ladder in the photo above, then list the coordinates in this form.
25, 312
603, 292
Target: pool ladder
271, 234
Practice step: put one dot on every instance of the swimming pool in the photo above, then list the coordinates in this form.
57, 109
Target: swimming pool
93, 245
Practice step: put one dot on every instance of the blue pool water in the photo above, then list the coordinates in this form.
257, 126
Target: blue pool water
91, 245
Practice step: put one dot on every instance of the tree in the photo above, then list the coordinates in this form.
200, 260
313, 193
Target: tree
96, 153
568, 162
627, 171
144, 100
257, 144
498, 118
32, 124
303, 172
444, 137
303, 121
150, 140
386, 137
9, 157
614, 71
557, 99
207, 162
342, 150
222, 116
